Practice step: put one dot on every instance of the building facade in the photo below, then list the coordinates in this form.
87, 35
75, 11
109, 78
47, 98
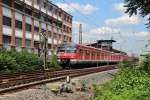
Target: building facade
21, 21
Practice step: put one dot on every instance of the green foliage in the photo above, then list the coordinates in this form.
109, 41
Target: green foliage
141, 6
7, 63
128, 84
53, 62
146, 64
12, 61
126, 64
27, 61
83, 85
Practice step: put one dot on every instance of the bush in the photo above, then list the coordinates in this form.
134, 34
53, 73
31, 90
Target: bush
146, 64
7, 63
128, 84
12, 61
53, 62
27, 61
19, 61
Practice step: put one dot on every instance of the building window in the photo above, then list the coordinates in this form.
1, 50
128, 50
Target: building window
37, 2
59, 36
44, 18
59, 14
18, 42
6, 21
36, 44
28, 27
50, 8
18, 7
18, 24
49, 33
55, 36
56, 11
28, 11
7, 2
36, 29
6, 41
36, 15
70, 39
49, 21
43, 3
28, 43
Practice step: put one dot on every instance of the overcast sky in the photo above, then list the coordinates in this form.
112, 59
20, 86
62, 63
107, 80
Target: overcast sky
105, 19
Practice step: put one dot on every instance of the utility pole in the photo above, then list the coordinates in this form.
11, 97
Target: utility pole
80, 34
44, 49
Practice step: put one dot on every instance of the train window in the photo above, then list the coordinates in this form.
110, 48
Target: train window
93, 54
102, 54
81, 52
87, 53
98, 54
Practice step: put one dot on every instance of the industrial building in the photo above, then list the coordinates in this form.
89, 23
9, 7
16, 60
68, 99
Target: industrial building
106, 45
21, 21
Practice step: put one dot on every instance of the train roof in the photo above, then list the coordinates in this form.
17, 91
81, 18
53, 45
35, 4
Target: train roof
90, 47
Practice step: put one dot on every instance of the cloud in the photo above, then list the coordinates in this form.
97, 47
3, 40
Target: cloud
122, 20
107, 31
119, 7
104, 30
72, 7
143, 34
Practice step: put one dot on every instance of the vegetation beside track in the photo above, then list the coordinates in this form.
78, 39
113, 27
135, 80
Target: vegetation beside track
13, 61
130, 83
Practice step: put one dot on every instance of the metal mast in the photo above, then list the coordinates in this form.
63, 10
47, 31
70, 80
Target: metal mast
80, 34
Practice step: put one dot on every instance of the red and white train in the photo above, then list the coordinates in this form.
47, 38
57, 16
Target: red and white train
70, 54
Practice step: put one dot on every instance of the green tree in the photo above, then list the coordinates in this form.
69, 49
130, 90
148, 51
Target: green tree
139, 6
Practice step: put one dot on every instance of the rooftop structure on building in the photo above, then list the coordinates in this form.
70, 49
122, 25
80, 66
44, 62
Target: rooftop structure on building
103, 44
21, 21
106, 45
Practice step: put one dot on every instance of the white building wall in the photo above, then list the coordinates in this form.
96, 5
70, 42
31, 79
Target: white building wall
36, 37
28, 19
18, 16
43, 26
6, 30
7, 12
18, 33
28, 35
36, 23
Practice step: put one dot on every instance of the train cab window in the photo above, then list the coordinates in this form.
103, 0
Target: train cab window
81, 52
67, 48
70, 51
61, 50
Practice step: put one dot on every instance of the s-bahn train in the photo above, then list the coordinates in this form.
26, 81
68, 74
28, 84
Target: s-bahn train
77, 54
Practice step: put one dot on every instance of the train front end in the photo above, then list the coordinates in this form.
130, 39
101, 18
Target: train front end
66, 54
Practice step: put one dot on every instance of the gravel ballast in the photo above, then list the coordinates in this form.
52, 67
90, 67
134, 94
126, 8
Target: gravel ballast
43, 92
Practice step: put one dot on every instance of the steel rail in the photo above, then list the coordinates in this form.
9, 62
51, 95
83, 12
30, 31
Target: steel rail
25, 80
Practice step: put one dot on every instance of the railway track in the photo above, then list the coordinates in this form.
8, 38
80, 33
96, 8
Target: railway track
10, 82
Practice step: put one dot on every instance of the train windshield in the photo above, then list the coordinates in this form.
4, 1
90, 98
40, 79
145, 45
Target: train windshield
67, 48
